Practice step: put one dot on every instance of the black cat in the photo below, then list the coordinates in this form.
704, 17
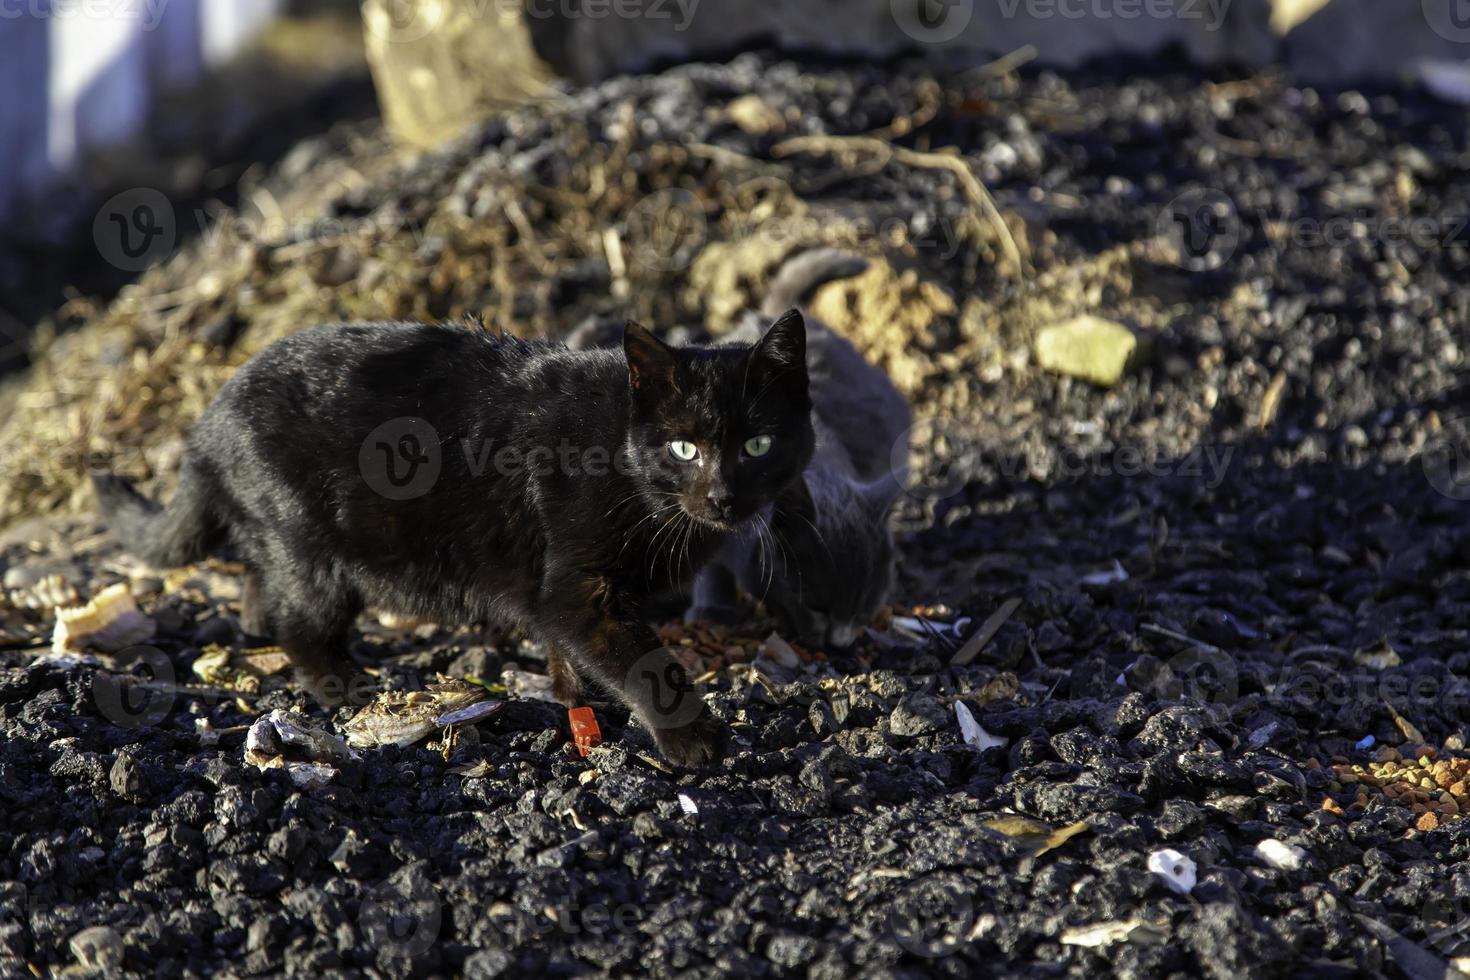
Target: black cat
457, 476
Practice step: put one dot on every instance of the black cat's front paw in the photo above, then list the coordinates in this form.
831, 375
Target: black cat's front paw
699, 743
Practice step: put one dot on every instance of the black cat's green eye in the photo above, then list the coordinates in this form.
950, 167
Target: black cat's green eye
683, 451
757, 446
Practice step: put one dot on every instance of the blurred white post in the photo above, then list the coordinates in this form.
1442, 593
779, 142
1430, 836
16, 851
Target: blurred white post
78, 76
230, 23
98, 82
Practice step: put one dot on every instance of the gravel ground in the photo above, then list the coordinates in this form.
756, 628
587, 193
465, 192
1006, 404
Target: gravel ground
1234, 569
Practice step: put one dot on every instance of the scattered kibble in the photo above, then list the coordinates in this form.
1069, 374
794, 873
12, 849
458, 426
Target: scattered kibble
1432, 787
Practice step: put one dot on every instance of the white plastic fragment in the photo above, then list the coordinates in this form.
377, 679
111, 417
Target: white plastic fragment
922, 628
688, 805
1111, 576
1281, 855
1102, 934
971, 731
777, 650
208, 734
1177, 870
911, 626
1446, 79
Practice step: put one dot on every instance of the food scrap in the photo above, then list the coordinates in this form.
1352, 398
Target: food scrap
524, 684
288, 740
240, 671
109, 623
404, 717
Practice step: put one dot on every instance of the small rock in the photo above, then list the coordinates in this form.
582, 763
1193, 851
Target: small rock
754, 116
917, 715
127, 778
1280, 855
823, 721
99, 949
1087, 347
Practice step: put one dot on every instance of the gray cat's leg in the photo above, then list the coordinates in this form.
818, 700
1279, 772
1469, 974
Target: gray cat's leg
716, 597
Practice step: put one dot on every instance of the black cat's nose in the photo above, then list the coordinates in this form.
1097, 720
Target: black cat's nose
721, 502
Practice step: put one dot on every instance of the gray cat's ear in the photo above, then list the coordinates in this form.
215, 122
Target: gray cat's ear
650, 360
784, 345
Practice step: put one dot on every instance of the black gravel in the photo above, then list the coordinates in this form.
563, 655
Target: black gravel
1186, 706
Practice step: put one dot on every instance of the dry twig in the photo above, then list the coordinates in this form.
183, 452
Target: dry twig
949, 160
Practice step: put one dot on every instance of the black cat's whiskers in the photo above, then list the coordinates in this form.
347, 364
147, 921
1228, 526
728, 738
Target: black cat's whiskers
655, 516
782, 543
673, 526
627, 498
820, 539
767, 532
768, 558
655, 512
671, 523
683, 543
782, 547
681, 548
760, 551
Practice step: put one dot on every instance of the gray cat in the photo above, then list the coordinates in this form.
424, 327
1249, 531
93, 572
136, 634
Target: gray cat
824, 558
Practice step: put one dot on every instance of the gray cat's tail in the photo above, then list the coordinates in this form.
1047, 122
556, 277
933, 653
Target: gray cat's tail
163, 536
801, 276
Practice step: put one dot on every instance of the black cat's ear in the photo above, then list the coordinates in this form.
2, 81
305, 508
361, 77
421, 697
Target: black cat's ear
650, 360
784, 345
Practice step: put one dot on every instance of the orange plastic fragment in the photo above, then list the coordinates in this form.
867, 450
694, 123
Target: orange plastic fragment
585, 733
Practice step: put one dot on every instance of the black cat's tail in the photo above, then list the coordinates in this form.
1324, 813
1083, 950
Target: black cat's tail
163, 536
801, 276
